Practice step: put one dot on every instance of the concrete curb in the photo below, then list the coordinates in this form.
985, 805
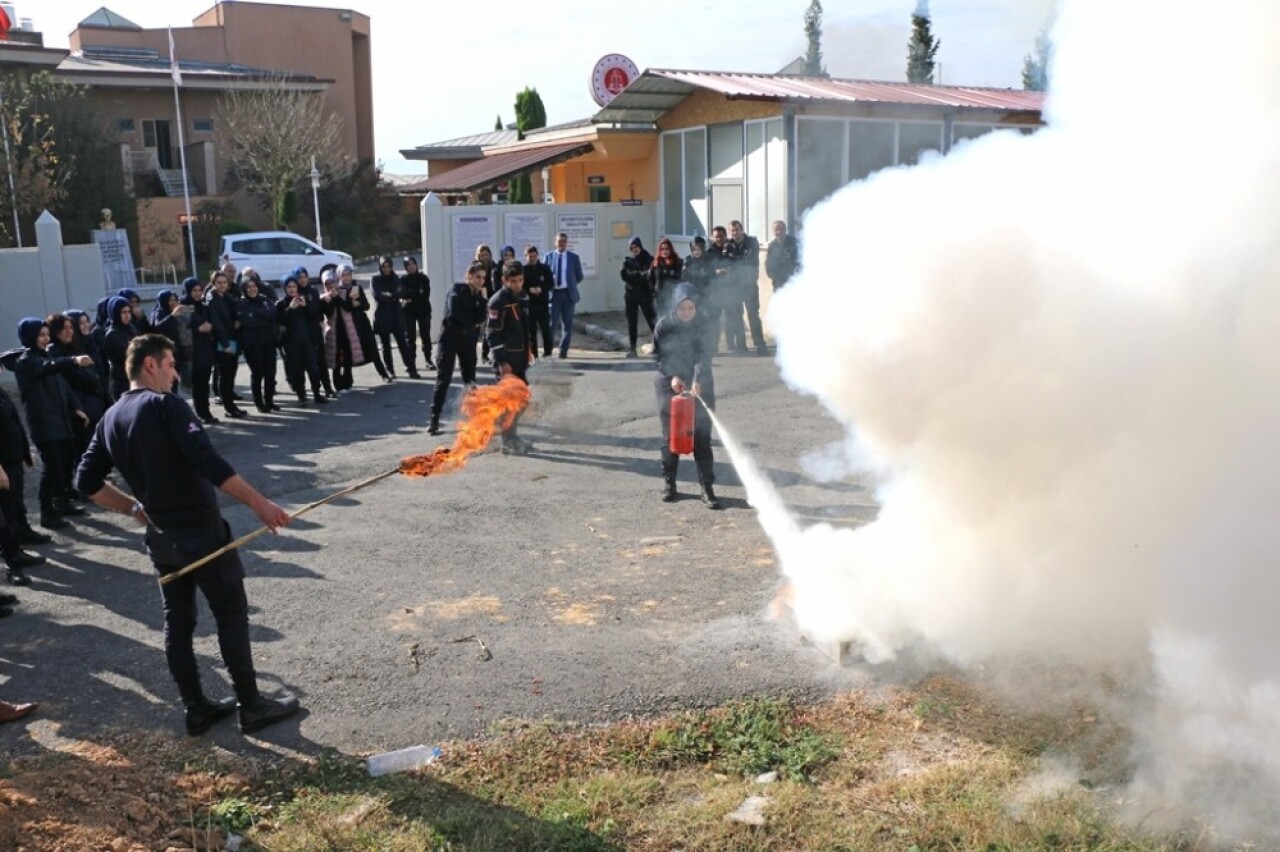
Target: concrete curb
616, 339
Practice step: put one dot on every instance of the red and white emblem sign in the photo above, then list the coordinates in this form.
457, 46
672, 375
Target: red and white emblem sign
612, 74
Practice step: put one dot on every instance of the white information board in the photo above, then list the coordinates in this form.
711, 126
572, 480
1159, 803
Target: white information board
524, 229
470, 231
580, 228
117, 261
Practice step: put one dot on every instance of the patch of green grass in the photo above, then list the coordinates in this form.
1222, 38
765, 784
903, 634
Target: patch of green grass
744, 738
234, 814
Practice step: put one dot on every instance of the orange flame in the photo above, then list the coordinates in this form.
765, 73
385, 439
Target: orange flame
484, 411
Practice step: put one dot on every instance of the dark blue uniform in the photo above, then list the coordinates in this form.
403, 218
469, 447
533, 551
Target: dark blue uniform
157, 443
463, 316
682, 350
507, 332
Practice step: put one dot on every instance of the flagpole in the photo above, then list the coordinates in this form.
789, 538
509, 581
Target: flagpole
182, 151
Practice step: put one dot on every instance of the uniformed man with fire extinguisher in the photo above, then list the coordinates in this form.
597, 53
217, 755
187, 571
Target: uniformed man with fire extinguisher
507, 333
680, 346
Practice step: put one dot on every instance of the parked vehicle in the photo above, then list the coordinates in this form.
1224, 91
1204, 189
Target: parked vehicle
274, 254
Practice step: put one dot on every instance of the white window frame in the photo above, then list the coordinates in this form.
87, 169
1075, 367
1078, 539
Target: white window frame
667, 229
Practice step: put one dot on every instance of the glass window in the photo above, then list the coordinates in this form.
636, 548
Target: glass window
259, 245
961, 132
757, 178
915, 138
695, 181
819, 159
871, 147
202, 125
291, 245
125, 125
726, 150
776, 155
673, 183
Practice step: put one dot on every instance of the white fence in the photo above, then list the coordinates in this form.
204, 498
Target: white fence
48, 279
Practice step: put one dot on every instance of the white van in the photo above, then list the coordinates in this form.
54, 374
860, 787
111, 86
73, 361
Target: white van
275, 254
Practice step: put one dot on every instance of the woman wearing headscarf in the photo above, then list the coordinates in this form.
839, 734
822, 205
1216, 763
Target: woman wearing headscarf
388, 319
51, 410
637, 292
116, 342
85, 383
339, 331
226, 341
169, 317
664, 273
293, 313
684, 364
366, 343
197, 318
138, 321
259, 335
492, 284
89, 346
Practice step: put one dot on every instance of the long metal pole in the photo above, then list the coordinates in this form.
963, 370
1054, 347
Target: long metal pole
8, 161
315, 200
182, 159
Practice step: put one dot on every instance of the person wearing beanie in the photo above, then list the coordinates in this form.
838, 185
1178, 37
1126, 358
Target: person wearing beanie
637, 291
197, 319
680, 346
388, 318
51, 409
415, 297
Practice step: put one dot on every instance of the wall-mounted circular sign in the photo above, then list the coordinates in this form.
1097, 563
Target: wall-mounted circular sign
612, 74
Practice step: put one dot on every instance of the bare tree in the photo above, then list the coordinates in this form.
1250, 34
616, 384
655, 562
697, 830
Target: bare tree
267, 136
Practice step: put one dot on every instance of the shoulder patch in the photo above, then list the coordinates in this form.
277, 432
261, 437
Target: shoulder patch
193, 427
494, 313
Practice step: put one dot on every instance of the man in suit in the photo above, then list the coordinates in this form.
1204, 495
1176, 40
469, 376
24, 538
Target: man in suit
566, 273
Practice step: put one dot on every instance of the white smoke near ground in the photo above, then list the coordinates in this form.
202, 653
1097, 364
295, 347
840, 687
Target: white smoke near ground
1060, 353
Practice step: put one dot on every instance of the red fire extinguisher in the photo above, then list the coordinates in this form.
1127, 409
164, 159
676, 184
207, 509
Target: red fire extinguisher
682, 411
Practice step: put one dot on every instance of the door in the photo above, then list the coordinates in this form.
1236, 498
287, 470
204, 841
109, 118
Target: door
156, 138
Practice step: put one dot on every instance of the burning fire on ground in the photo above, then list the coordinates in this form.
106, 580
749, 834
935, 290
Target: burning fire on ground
485, 411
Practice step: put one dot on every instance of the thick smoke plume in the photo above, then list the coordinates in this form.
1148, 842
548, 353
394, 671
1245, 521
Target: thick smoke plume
1060, 357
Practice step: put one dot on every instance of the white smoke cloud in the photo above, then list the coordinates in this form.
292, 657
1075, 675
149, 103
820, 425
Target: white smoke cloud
1062, 352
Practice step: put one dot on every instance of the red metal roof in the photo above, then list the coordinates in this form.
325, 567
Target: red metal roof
658, 90
498, 167
785, 87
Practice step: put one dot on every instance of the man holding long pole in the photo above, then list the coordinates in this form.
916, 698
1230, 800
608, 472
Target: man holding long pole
156, 442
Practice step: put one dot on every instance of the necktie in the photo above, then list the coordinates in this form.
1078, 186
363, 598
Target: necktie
559, 269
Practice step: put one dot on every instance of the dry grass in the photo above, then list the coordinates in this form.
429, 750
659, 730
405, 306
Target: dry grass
937, 767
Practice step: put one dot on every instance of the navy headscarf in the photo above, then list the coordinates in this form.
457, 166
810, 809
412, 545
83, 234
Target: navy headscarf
162, 306
115, 307
29, 331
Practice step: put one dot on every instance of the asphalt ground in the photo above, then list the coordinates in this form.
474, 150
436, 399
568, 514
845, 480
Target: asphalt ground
556, 585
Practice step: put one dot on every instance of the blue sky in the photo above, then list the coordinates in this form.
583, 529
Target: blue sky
441, 72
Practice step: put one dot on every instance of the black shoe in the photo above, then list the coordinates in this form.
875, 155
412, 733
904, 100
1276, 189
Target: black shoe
209, 420
237, 413
18, 578
332, 394
23, 559
762, 351
516, 447
201, 717
6, 611
262, 408
320, 400
8, 600
434, 428
69, 510
27, 535
388, 378
631, 353
431, 365
414, 374
709, 496
236, 397
669, 491
53, 521
266, 711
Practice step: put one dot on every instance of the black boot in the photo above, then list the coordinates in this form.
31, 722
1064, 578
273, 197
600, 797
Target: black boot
202, 714
257, 714
434, 428
26, 535
259, 403
302, 399
413, 373
668, 489
321, 399
709, 496
50, 519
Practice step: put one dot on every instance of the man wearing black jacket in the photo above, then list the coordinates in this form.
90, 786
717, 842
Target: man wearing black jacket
464, 313
507, 332
538, 283
226, 341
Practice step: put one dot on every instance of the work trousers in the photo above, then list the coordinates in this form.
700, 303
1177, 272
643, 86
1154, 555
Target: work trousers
222, 584
390, 323
201, 372
322, 362
702, 457
11, 511
301, 364
262, 372
519, 369
562, 310
454, 348
635, 307
55, 459
540, 322
418, 324
227, 363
